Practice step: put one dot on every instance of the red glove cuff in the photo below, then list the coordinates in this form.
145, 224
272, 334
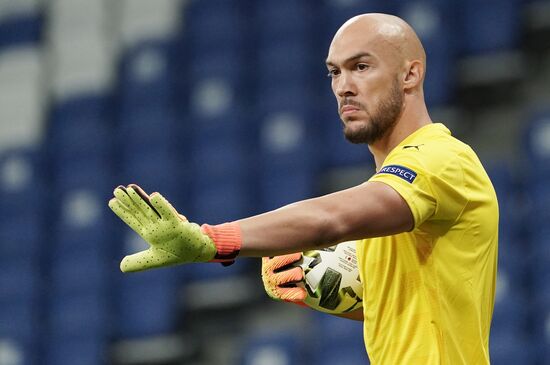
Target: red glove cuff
228, 240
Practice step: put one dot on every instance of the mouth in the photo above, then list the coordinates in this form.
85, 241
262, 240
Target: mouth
348, 110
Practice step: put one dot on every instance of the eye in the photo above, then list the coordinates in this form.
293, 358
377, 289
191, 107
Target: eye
362, 66
333, 72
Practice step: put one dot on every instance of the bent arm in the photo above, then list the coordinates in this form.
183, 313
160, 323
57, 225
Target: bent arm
356, 315
372, 209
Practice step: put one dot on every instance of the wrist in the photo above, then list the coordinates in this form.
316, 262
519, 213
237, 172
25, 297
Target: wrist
227, 238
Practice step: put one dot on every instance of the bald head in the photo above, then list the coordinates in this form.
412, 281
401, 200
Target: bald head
389, 36
376, 63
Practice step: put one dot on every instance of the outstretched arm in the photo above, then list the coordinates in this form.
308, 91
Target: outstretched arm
371, 209
367, 210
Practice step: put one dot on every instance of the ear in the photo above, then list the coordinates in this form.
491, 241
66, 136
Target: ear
414, 75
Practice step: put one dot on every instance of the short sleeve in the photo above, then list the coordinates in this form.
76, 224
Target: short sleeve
431, 185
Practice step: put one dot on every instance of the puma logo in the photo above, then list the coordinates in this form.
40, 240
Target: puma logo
414, 146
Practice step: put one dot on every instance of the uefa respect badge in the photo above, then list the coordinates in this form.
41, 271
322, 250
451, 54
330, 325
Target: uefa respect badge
399, 171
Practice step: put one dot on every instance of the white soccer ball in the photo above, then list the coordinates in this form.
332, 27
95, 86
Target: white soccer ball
331, 278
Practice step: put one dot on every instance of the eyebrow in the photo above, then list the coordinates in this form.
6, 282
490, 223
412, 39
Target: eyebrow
352, 58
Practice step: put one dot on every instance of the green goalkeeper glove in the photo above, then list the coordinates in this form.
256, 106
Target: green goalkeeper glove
173, 239
280, 278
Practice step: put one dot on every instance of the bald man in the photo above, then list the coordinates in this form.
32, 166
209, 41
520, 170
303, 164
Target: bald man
426, 221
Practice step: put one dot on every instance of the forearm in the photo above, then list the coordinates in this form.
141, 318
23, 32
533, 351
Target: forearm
297, 227
367, 210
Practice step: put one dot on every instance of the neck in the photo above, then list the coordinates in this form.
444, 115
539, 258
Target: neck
414, 116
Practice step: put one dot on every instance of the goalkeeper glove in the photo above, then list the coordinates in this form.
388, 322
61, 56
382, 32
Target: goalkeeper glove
172, 238
280, 278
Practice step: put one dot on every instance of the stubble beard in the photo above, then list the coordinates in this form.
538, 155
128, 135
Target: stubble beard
378, 123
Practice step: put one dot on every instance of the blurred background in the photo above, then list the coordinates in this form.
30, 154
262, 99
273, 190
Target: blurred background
224, 107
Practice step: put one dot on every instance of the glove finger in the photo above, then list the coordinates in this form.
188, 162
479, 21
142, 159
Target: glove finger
278, 262
142, 201
293, 295
164, 208
125, 214
288, 276
121, 194
148, 259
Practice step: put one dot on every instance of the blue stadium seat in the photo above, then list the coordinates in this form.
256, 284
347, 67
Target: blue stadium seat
16, 352
434, 24
22, 186
94, 239
205, 272
146, 115
342, 353
285, 187
509, 348
289, 62
94, 175
215, 63
490, 26
19, 278
288, 138
277, 21
539, 286
536, 142
538, 191
81, 127
80, 221
85, 312
147, 304
146, 76
219, 83
282, 348
21, 236
289, 97
340, 341
230, 130
86, 267
157, 169
79, 350
20, 320
20, 29
505, 187
216, 24
68, 114
336, 328
219, 157
145, 128
222, 168
541, 352
539, 258
289, 161
222, 203
510, 313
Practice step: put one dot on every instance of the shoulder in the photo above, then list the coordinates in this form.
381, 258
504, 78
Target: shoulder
431, 151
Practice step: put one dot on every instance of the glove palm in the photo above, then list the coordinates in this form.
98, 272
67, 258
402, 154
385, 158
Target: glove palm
172, 239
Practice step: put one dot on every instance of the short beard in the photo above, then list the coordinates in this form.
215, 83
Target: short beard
381, 121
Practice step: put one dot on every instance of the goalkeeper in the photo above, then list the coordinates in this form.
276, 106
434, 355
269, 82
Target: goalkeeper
426, 221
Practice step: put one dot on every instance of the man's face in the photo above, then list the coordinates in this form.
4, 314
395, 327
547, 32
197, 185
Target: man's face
366, 85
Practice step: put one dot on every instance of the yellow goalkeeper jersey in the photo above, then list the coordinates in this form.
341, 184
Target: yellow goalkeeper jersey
429, 293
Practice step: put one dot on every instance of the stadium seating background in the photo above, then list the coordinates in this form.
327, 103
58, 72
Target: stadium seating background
222, 105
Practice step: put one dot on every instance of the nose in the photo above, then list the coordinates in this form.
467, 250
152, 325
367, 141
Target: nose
345, 86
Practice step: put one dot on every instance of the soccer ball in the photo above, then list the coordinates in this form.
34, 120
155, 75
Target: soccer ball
331, 278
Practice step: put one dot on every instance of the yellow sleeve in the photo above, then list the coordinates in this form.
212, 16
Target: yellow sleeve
425, 181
